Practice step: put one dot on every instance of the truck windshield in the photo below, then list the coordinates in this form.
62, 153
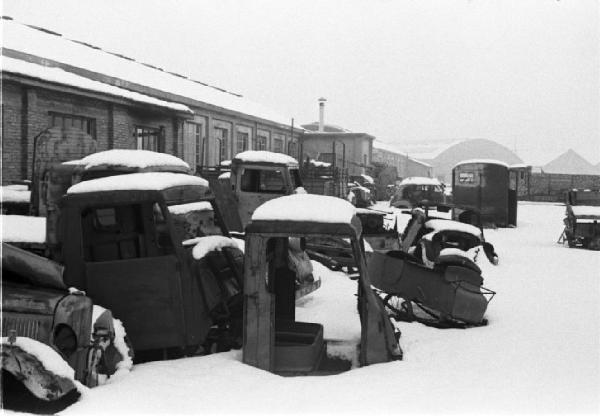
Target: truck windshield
263, 181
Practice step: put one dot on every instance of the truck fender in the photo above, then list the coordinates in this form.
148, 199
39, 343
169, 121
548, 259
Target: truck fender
36, 374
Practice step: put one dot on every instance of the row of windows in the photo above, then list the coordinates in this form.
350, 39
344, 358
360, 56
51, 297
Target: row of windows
150, 138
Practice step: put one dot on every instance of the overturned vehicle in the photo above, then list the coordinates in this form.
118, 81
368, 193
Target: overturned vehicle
434, 279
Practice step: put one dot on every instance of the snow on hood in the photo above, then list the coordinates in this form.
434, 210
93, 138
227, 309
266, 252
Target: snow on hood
51, 360
419, 180
182, 209
305, 207
23, 229
131, 158
225, 175
148, 181
263, 156
449, 225
60, 76
204, 245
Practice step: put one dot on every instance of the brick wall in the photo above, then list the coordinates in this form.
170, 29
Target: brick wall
12, 162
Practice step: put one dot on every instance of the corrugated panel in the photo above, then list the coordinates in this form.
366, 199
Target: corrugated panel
32, 326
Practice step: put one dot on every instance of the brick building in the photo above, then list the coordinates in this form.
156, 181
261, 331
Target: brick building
49, 80
405, 165
339, 146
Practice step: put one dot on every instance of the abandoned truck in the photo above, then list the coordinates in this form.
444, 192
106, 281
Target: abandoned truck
582, 226
83, 341
273, 339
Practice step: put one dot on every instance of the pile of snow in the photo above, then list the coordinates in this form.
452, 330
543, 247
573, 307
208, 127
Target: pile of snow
183, 209
205, 245
23, 229
419, 180
148, 181
481, 161
15, 193
263, 156
305, 207
57, 75
132, 158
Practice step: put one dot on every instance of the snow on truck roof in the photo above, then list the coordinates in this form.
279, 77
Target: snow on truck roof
306, 208
262, 156
145, 181
131, 158
419, 180
482, 161
449, 225
586, 210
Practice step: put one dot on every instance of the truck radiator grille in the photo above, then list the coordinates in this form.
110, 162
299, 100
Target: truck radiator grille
26, 326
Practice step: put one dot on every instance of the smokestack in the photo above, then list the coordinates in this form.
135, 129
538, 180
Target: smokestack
322, 114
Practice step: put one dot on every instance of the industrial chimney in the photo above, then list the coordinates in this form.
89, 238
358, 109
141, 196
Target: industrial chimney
322, 114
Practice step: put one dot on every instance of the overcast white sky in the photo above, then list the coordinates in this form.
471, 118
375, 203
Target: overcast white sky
523, 73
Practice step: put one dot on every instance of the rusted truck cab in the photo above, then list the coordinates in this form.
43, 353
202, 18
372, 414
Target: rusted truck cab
273, 339
257, 177
121, 244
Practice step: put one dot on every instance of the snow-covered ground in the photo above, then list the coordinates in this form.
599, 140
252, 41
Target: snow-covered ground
540, 352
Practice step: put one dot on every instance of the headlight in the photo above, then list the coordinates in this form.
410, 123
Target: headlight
65, 340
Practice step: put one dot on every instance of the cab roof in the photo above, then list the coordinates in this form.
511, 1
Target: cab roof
132, 161
262, 156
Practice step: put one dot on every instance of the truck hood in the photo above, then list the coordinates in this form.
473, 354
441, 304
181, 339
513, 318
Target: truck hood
28, 299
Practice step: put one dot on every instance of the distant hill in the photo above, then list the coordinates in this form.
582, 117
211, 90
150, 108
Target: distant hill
470, 149
572, 163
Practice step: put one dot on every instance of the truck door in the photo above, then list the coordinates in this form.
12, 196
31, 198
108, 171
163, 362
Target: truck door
256, 185
131, 268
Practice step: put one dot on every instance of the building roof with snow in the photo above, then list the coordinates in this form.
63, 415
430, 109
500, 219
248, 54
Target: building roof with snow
42, 54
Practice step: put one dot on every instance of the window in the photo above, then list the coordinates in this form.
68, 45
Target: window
466, 178
193, 144
293, 149
262, 181
82, 123
278, 145
242, 141
260, 143
221, 135
147, 138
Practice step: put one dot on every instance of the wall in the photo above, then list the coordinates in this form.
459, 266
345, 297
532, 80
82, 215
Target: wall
350, 149
552, 186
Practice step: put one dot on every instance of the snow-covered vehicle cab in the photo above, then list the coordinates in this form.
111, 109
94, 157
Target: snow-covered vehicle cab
131, 243
256, 177
415, 191
273, 339
582, 219
359, 195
